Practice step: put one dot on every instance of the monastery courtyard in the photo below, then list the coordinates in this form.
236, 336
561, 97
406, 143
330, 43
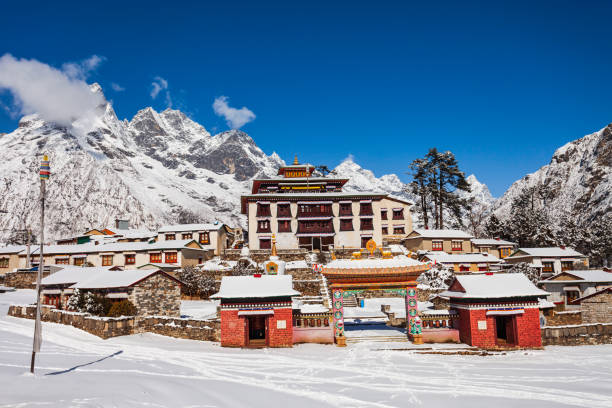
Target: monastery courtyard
76, 368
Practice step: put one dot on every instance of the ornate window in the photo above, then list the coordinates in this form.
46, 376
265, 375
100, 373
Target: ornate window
263, 210
170, 257
365, 209
398, 229
398, 213
384, 214
107, 260
385, 230
263, 226
346, 209
79, 261
204, 238
457, 245
366, 224
4, 262
155, 257
170, 237
265, 243
186, 235
436, 245
62, 261
284, 226
346, 224
130, 259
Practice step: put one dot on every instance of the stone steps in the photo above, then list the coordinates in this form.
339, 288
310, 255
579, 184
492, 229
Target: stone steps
378, 339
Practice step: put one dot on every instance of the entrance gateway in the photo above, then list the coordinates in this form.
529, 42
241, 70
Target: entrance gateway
347, 277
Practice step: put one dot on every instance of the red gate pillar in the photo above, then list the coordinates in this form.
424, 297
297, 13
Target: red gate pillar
413, 322
338, 313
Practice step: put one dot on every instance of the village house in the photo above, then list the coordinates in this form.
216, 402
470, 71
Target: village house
120, 232
566, 288
449, 241
494, 246
597, 306
256, 311
315, 214
496, 310
550, 260
153, 292
129, 255
9, 257
472, 262
214, 236
56, 288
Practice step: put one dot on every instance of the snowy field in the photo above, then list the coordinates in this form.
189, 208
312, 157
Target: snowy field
79, 369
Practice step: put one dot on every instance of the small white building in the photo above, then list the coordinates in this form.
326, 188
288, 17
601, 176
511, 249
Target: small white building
210, 236
472, 262
550, 260
567, 286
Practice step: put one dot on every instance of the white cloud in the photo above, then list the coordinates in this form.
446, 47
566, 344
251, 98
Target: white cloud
116, 87
82, 69
158, 85
235, 118
59, 96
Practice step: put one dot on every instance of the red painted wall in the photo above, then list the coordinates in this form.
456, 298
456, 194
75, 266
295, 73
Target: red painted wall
527, 328
233, 329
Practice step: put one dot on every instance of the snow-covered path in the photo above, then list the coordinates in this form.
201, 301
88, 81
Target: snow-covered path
78, 369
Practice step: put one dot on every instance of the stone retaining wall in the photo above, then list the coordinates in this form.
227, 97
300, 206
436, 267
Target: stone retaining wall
205, 330
308, 287
107, 327
577, 335
564, 318
104, 327
22, 280
261, 255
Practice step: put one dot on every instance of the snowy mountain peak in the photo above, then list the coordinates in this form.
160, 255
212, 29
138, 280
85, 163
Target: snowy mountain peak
478, 191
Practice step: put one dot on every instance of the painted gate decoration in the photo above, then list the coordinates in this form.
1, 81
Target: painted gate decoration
338, 311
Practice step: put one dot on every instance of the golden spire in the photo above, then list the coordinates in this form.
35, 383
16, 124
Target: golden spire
273, 245
295, 160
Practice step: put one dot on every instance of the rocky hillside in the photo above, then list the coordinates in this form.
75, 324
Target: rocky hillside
578, 180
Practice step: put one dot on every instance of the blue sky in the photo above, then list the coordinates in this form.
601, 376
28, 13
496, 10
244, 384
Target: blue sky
501, 85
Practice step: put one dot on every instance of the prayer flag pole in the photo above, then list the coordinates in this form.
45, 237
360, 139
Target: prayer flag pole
44, 176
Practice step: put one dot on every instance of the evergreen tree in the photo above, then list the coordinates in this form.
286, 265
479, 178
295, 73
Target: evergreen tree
436, 179
533, 274
494, 228
529, 225
76, 302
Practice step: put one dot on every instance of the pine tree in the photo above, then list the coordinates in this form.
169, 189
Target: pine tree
533, 274
420, 187
494, 228
76, 302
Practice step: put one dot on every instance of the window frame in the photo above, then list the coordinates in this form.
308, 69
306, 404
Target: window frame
344, 221
105, 259
170, 237
435, 246
171, 257
456, 248
130, 259
153, 257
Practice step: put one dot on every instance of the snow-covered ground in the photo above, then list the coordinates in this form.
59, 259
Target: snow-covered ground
75, 368
199, 309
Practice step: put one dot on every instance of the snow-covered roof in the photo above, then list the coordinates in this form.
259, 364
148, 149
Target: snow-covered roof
591, 275
445, 233
299, 264
492, 241
191, 227
398, 249
69, 249
459, 258
13, 249
264, 286
549, 252
135, 234
115, 279
580, 299
72, 274
397, 262
499, 285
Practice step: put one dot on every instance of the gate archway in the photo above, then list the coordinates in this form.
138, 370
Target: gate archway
358, 275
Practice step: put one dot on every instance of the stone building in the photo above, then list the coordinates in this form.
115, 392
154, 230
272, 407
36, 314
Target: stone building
153, 292
9, 257
596, 307
497, 310
256, 311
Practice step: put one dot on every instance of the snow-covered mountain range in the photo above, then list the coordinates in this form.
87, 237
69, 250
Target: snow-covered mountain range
578, 180
158, 166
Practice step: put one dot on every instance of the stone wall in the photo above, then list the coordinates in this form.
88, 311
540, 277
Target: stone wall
107, 327
205, 330
563, 318
308, 287
157, 295
261, 255
577, 335
22, 279
597, 308
104, 327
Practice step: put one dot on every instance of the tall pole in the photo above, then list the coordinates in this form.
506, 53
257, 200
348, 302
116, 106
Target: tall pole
44, 176
29, 232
